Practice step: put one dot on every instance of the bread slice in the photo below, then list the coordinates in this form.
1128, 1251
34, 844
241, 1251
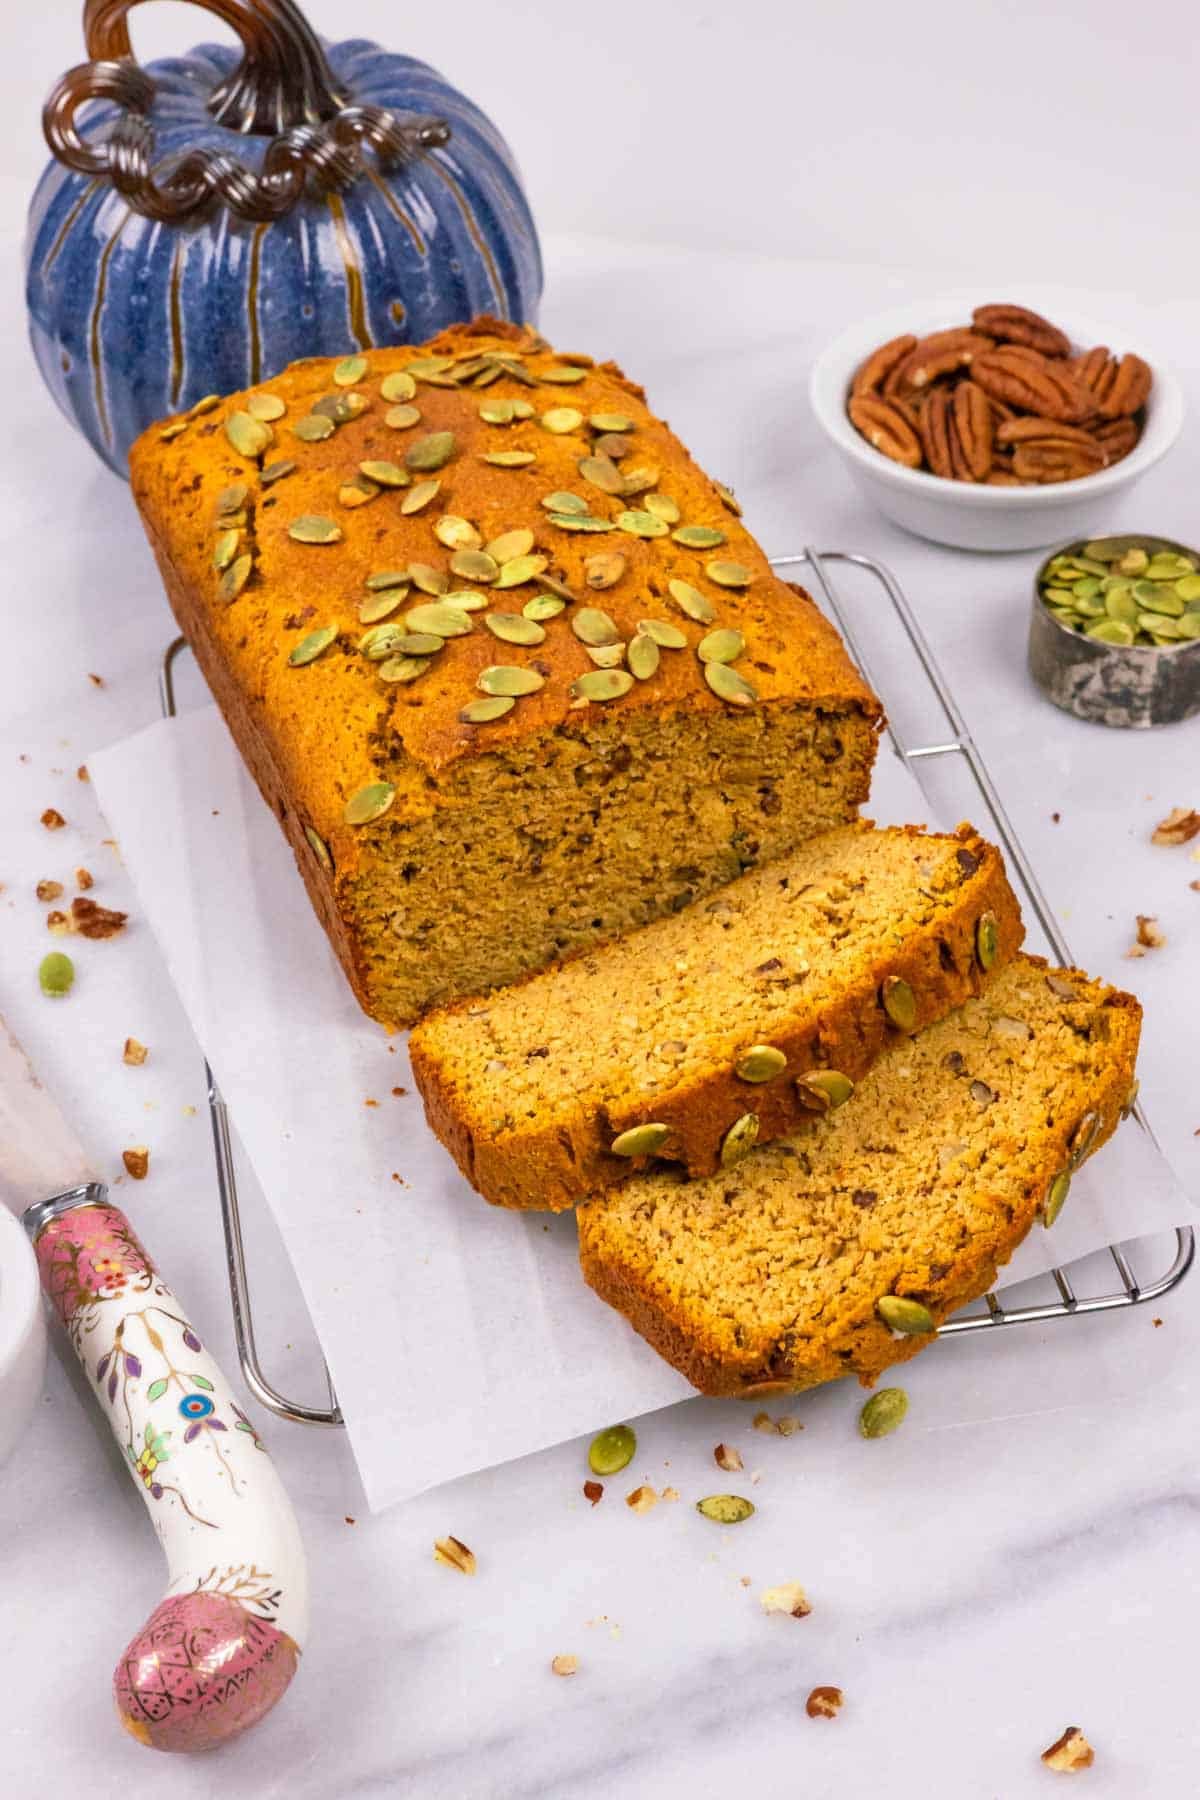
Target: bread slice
531, 1088
769, 1275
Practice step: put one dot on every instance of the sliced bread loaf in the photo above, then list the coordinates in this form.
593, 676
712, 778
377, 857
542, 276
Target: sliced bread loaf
734, 1021
773, 1274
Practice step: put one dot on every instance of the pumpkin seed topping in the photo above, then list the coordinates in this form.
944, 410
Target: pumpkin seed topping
640, 1140
739, 1140
762, 1062
309, 648
728, 574
668, 636
510, 544
602, 685
563, 374
419, 643
482, 712
370, 803
313, 427
399, 385
249, 436
821, 1090
728, 498
466, 599
402, 669
402, 418
225, 549
725, 1509
729, 686
579, 522
474, 565
423, 367
612, 1450
987, 939
315, 528
519, 569
497, 412
610, 422
698, 537
319, 848
601, 473
382, 641
641, 524
642, 656
439, 619
505, 678
386, 474
456, 533
721, 646
691, 601
509, 459
607, 656
419, 496
561, 419
512, 628
206, 404
358, 491
431, 452
169, 433
387, 578
663, 507
553, 585
899, 1002
906, 1316
543, 606
235, 577
562, 502
350, 370
604, 569
1056, 1197
232, 498
883, 1413
277, 470
613, 444
428, 579
591, 626
265, 407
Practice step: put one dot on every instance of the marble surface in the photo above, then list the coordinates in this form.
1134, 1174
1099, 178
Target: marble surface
974, 1589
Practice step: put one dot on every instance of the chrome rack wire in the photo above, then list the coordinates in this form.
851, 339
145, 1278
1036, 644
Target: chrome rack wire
957, 742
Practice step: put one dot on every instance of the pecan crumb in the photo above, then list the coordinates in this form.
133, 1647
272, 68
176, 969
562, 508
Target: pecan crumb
58, 923
399, 1092
49, 890
641, 1499
81, 773
593, 1491
84, 879
96, 680
94, 921
1149, 937
349, 1520
137, 1161
1156, 1323
726, 1457
789, 1598
824, 1703
52, 819
1056, 818
565, 1665
1071, 1752
1180, 826
454, 1553
134, 1052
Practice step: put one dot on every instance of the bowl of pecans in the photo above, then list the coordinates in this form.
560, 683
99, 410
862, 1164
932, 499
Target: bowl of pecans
989, 427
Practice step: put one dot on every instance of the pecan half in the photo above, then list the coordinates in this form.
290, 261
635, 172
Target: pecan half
1017, 325
1117, 436
886, 427
1024, 379
1004, 478
1129, 389
973, 428
874, 371
935, 431
939, 354
1091, 365
1057, 459
1032, 429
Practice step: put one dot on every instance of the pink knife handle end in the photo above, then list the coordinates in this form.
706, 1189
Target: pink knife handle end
200, 1671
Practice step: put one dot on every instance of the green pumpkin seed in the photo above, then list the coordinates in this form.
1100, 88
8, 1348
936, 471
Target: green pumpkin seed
232, 498
474, 565
249, 436
399, 385
553, 585
382, 641
612, 444
642, 657
380, 606
721, 646
428, 579
1158, 599
739, 1140
518, 570
641, 1140
385, 474
1084, 1136
456, 533
309, 648
725, 1509
265, 407
729, 574
497, 412
225, 549
349, 371
402, 418
579, 522
466, 600
313, 427
438, 619
691, 601
169, 433
510, 459
387, 578
369, 803
503, 678
402, 669
668, 637
483, 712
1189, 626
591, 626
319, 848
357, 491
431, 452
987, 939
604, 569
641, 524
906, 1316
1119, 603
510, 545
562, 502
315, 528
883, 1412
602, 685
612, 1450
729, 686
610, 422
512, 628
1085, 589
1188, 588
561, 419
663, 507
419, 497
600, 473
762, 1062
700, 537
823, 1090
543, 606
1111, 631
235, 577
899, 1002
728, 498
1166, 565
419, 643
1056, 1197
564, 374
277, 470
423, 367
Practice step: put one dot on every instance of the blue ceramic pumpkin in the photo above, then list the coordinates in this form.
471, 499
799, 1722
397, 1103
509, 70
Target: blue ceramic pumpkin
226, 213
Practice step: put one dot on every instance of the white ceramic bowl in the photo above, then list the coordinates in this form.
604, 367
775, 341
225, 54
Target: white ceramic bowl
22, 1333
960, 513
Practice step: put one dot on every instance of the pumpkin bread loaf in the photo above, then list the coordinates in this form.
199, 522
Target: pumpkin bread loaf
908, 1199
746, 1013
504, 662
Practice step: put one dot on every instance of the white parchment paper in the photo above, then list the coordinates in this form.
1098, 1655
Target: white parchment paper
458, 1336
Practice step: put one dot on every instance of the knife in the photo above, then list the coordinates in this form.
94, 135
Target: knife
223, 1643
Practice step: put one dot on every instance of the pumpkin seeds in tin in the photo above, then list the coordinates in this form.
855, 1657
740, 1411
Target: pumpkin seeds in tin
1056, 1198
561, 419
691, 601
725, 1509
456, 533
899, 1002
642, 656
349, 371
612, 1450
319, 848
906, 1316
399, 385
313, 427
602, 685
762, 1062
723, 646
399, 670
883, 1413
265, 407
235, 577
604, 569
698, 537
315, 528
543, 606
438, 619
1141, 599
610, 422
591, 626
483, 712
314, 645
505, 678
249, 436
729, 574
739, 1140
225, 549
1111, 631
641, 524
509, 459
728, 685
419, 496
513, 628
668, 637
431, 452
369, 803
640, 1140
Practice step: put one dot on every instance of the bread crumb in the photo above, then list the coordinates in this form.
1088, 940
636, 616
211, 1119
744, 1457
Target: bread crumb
52, 819
1071, 1753
49, 890
565, 1665
84, 879
137, 1161
641, 1499
58, 923
1180, 826
788, 1598
824, 1703
726, 1457
134, 1053
370, 1103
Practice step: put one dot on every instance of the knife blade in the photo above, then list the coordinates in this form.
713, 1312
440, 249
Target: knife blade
39, 1153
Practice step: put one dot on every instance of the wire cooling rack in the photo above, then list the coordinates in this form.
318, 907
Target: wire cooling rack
951, 743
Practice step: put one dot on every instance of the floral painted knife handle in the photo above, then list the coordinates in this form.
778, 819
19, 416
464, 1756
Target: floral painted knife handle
222, 1644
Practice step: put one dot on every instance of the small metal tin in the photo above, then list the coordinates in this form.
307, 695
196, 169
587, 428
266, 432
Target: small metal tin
1112, 684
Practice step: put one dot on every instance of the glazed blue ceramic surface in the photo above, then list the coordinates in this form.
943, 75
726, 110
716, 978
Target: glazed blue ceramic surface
131, 320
